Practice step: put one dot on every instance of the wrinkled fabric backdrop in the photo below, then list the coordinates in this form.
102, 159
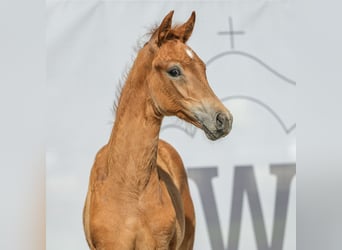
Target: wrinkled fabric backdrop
243, 186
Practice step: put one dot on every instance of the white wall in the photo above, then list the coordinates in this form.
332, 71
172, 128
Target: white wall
90, 45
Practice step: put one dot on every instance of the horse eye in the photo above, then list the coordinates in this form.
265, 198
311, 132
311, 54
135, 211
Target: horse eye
174, 72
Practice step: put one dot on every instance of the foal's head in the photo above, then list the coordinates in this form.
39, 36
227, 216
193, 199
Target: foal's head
178, 83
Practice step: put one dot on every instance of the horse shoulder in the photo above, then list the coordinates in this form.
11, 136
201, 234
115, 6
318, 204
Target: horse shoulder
98, 172
170, 162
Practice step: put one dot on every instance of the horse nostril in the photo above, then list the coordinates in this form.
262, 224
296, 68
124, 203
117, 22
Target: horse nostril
221, 121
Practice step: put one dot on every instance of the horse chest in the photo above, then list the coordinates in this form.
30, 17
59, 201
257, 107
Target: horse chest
161, 219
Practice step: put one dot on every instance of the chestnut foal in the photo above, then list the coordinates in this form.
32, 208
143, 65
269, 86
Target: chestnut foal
138, 196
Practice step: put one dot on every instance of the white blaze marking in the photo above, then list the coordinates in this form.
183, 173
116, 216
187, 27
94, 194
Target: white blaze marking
189, 52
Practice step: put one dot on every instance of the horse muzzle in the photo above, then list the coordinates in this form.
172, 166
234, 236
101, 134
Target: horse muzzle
215, 124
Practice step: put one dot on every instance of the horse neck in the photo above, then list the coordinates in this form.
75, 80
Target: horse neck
135, 135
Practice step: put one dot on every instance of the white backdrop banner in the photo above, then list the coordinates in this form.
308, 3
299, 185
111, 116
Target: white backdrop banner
243, 186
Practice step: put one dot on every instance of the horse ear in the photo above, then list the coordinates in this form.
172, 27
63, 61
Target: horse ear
185, 30
164, 28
